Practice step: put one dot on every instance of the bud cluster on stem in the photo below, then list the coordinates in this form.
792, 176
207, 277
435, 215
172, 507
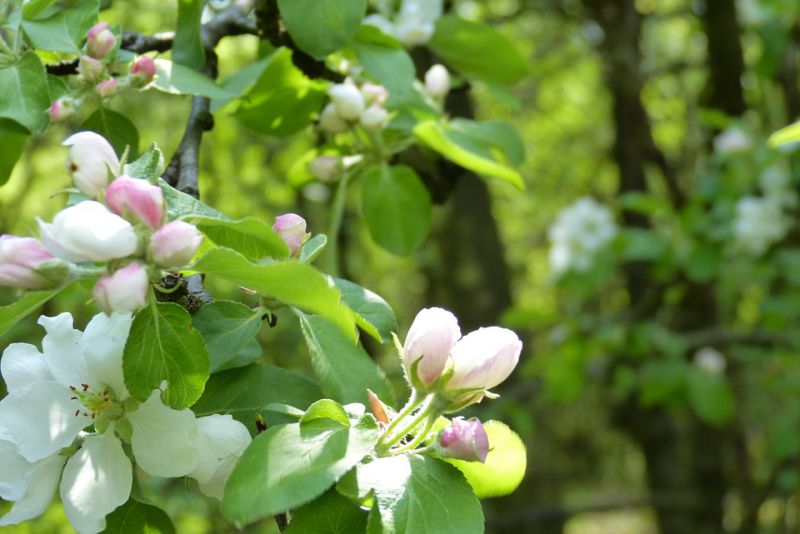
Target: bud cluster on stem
350, 104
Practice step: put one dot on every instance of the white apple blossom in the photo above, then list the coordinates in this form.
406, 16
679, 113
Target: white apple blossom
72, 396
91, 161
759, 223
221, 441
710, 360
579, 232
732, 140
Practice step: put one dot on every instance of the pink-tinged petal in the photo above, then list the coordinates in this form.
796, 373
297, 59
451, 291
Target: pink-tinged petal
40, 419
292, 229
464, 440
164, 440
430, 338
96, 481
484, 358
125, 290
174, 244
39, 490
23, 364
137, 198
63, 351
103, 345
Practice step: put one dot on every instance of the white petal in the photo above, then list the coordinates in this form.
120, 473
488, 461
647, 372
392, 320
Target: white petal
103, 343
164, 440
221, 440
96, 480
40, 419
22, 364
63, 351
14, 474
41, 485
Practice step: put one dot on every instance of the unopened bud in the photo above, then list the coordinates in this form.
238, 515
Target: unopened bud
437, 81
123, 291
428, 344
62, 109
90, 68
143, 71
484, 358
331, 121
90, 160
100, 41
175, 244
325, 168
107, 88
464, 439
374, 118
19, 259
292, 229
414, 32
133, 197
374, 93
348, 100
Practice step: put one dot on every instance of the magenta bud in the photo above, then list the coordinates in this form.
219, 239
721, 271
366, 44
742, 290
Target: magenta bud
19, 259
123, 291
175, 244
429, 342
100, 41
292, 229
464, 439
107, 88
90, 68
133, 197
143, 71
62, 109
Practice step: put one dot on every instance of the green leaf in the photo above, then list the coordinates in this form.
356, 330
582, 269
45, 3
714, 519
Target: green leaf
227, 327
294, 283
283, 100
177, 79
135, 517
784, 136
397, 208
33, 8
248, 391
252, 237
117, 128
321, 27
12, 143
344, 370
500, 139
149, 166
290, 465
183, 206
414, 494
466, 150
13, 313
240, 82
62, 30
187, 49
385, 60
640, 244
505, 464
711, 397
373, 314
24, 96
313, 248
163, 345
329, 514
326, 409
478, 50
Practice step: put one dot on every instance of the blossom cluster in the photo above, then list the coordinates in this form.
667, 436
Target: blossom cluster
68, 421
579, 232
413, 24
94, 77
121, 223
762, 221
350, 104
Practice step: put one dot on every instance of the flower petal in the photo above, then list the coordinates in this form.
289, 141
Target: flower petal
63, 351
40, 419
221, 440
22, 364
41, 485
103, 343
96, 480
14, 475
164, 440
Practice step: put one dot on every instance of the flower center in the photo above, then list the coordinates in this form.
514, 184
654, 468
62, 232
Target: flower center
102, 402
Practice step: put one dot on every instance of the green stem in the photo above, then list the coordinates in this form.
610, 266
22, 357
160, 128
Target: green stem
428, 408
422, 434
413, 403
337, 213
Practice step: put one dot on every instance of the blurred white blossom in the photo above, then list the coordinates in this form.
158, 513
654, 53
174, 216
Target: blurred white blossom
732, 140
710, 360
580, 230
759, 223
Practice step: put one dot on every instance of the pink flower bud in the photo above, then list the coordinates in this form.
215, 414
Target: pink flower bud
464, 440
90, 160
484, 358
374, 93
331, 121
90, 68
123, 291
100, 41
19, 258
143, 71
325, 168
292, 229
175, 244
430, 340
62, 109
437, 81
140, 199
348, 100
374, 118
107, 88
